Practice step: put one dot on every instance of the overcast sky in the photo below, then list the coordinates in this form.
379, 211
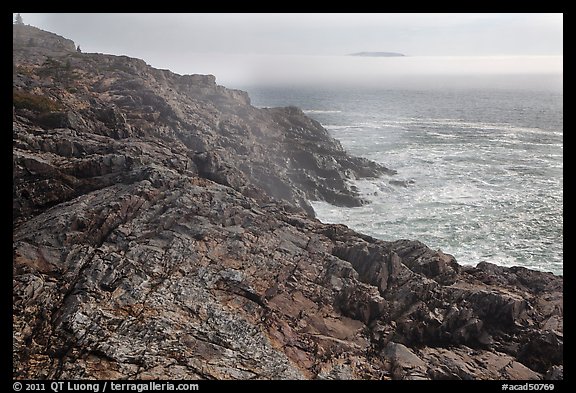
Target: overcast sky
172, 40
326, 34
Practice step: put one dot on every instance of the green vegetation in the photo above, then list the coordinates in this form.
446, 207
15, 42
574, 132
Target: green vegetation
50, 67
63, 72
38, 103
28, 71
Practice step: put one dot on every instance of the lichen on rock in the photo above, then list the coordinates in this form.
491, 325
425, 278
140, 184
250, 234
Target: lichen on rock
162, 229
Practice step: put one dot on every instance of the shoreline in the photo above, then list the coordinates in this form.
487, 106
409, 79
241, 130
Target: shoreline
162, 230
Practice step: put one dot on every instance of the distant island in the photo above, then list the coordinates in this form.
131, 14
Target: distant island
163, 229
377, 54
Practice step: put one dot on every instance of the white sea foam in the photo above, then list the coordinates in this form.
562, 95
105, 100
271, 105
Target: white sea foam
487, 170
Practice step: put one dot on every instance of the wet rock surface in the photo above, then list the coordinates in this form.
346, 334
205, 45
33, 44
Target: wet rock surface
162, 230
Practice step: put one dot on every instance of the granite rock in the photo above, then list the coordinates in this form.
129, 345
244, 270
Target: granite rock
162, 230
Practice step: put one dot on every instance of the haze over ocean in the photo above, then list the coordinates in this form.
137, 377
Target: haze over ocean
472, 114
479, 158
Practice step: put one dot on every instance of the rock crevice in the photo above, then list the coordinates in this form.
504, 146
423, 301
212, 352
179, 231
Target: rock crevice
162, 229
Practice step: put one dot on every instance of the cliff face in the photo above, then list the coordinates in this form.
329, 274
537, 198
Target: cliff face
107, 118
162, 230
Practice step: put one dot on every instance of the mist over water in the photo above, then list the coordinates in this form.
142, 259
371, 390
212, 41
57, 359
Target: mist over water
409, 72
481, 156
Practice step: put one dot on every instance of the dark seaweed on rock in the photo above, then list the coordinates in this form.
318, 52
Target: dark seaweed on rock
162, 229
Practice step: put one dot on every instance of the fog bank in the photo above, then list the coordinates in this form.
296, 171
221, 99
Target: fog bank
523, 72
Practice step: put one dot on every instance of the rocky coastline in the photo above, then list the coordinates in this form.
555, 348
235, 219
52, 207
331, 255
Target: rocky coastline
162, 230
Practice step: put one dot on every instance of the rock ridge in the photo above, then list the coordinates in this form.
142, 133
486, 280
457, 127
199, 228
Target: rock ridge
162, 230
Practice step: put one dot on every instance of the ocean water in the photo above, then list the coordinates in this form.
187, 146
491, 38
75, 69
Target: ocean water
482, 166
